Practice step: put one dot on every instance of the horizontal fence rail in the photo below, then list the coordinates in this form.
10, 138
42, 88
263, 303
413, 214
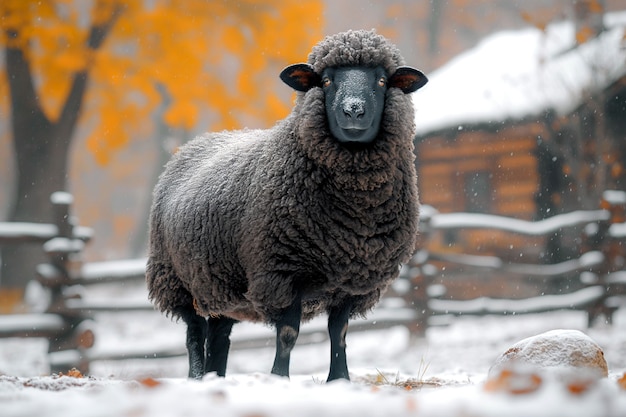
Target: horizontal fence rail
585, 262
598, 267
420, 298
442, 221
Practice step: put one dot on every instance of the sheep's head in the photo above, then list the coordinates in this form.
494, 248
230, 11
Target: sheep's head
355, 69
354, 95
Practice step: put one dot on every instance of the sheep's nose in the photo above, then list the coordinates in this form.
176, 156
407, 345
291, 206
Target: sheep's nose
354, 109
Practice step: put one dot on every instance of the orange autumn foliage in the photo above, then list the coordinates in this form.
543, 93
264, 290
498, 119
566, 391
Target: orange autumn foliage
196, 56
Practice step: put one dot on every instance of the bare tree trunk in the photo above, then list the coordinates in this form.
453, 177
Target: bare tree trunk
41, 163
434, 26
41, 147
163, 134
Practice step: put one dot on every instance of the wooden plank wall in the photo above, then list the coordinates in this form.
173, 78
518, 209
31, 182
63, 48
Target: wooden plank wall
507, 155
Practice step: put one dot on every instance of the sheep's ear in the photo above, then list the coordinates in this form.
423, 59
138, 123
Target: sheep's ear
407, 79
300, 77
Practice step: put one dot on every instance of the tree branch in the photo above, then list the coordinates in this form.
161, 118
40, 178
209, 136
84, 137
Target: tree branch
73, 102
98, 33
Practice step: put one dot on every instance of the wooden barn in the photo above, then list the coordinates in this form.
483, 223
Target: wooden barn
528, 124
481, 169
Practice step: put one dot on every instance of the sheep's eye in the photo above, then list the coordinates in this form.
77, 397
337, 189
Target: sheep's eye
326, 82
382, 82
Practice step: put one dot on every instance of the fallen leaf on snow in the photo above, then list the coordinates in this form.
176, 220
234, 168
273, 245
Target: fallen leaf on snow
149, 382
514, 382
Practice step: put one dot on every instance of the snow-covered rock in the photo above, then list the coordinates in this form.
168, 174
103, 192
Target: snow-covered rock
559, 350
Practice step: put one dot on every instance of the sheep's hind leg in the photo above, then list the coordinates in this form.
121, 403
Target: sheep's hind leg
287, 330
218, 344
196, 337
337, 329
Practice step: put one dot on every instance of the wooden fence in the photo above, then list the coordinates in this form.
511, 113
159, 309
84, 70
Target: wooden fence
596, 276
418, 300
61, 240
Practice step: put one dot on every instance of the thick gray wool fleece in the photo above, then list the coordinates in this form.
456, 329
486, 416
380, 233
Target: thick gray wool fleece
355, 48
243, 220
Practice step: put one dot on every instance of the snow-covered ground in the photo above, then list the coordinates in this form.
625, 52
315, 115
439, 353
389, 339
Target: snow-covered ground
442, 374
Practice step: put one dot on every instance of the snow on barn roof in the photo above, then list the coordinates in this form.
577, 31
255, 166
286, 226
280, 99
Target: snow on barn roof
516, 74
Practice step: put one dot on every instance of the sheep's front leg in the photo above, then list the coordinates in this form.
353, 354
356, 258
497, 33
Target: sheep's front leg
196, 336
287, 330
337, 329
218, 344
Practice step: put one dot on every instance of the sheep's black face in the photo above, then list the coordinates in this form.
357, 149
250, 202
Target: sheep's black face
354, 96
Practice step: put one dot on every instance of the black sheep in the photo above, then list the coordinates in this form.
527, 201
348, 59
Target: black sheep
313, 215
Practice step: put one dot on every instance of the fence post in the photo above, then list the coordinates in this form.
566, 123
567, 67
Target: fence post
611, 247
419, 295
615, 203
419, 278
61, 251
